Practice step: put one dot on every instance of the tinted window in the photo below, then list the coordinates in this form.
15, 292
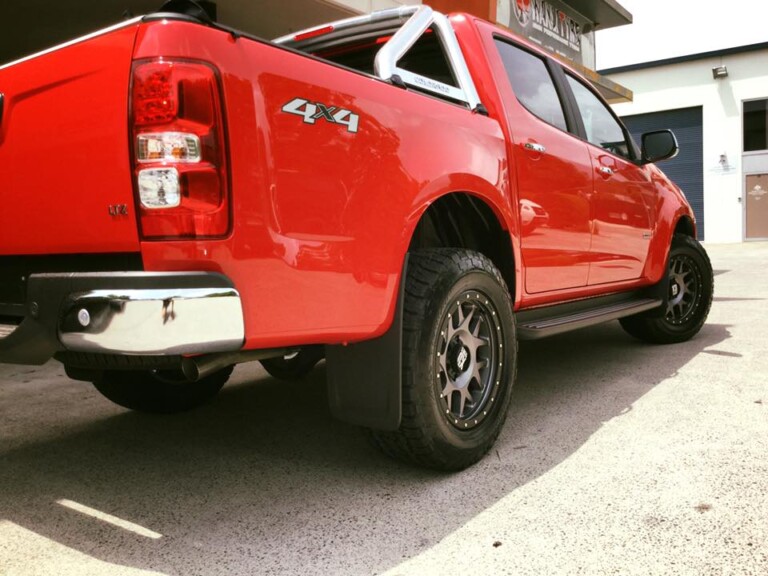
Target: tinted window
602, 128
532, 84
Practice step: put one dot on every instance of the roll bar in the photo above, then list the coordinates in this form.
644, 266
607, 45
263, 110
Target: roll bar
408, 24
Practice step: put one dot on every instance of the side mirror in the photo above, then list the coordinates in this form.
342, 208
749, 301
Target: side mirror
659, 145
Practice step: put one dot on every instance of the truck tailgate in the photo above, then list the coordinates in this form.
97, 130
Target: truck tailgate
65, 176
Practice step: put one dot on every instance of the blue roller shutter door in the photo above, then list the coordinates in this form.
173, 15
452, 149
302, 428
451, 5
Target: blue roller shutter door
687, 169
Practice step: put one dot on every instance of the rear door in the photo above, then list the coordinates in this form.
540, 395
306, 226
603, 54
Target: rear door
554, 174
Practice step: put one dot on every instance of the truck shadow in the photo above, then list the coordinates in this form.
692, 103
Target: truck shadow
263, 480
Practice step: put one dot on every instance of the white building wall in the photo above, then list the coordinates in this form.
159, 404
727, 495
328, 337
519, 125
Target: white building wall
691, 84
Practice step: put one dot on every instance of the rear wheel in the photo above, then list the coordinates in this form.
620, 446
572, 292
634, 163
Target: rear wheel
690, 285
459, 360
159, 391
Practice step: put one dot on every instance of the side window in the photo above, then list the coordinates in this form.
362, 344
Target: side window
602, 128
532, 84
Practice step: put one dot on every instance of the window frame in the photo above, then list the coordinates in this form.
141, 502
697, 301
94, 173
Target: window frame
632, 148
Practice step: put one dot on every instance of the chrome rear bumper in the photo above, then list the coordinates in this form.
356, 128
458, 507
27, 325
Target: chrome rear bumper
168, 321
125, 313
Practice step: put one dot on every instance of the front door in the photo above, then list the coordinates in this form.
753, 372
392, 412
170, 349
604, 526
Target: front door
624, 194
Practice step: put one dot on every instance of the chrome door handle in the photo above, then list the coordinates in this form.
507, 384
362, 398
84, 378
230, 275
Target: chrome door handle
605, 170
533, 147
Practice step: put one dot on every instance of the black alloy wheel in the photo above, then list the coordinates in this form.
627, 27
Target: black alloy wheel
468, 361
685, 289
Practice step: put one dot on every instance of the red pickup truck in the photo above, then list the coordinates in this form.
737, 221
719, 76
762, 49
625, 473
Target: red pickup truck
404, 194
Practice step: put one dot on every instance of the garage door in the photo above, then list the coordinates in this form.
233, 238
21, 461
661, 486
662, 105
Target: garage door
687, 169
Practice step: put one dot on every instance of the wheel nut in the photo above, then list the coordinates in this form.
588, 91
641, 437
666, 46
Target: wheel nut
83, 317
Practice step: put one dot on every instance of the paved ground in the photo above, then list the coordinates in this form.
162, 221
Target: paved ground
617, 458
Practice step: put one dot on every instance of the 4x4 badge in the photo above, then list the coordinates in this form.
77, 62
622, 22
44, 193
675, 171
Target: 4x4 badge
312, 111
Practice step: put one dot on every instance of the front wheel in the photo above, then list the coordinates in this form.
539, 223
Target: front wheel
690, 285
159, 391
459, 360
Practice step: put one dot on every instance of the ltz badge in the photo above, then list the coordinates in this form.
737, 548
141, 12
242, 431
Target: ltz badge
118, 209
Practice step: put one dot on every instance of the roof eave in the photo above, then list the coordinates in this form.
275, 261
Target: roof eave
603, 13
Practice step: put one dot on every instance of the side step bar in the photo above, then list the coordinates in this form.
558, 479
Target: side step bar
551, 320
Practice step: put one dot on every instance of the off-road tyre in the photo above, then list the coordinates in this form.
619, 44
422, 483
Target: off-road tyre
159, 391
294, 366
690, 285
458, 342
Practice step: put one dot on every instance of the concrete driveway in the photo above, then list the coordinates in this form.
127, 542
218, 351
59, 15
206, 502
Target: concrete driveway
617, 458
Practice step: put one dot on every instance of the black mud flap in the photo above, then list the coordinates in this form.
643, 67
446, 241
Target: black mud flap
365, 379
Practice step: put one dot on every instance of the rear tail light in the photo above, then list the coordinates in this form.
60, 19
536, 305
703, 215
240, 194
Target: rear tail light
159, 188
180, 163
168, 147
